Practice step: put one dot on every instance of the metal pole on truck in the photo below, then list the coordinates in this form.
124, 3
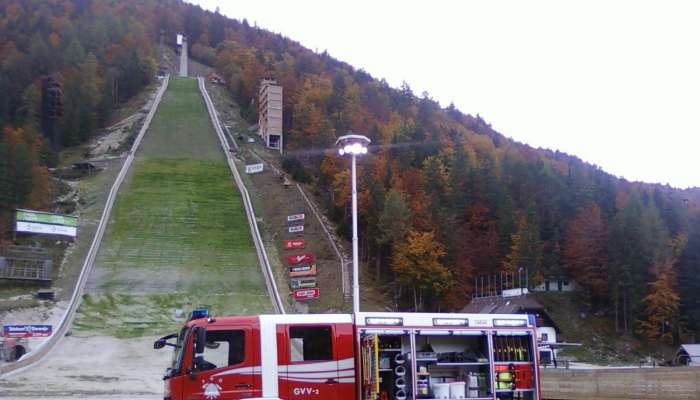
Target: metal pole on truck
354, 145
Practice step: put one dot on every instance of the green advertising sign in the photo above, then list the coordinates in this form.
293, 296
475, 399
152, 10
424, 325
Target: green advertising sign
46, 218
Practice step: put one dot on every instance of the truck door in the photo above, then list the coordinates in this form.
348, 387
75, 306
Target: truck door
226, 369
309, 363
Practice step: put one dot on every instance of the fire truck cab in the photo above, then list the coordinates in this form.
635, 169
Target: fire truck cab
368, 356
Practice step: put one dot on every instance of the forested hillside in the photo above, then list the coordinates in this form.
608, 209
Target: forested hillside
444, 198
64, 66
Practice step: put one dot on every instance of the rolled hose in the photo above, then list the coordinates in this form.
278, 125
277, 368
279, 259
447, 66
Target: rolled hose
400, 394
399, 359
400, 370
400, 383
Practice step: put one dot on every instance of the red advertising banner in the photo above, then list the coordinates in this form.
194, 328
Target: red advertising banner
295, 259
306, 294
302, 270
294, 244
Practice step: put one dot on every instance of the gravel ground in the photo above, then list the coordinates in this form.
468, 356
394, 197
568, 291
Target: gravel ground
91, 366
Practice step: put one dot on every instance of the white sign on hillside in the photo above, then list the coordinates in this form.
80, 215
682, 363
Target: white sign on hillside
296, 229
295, 217
253, 168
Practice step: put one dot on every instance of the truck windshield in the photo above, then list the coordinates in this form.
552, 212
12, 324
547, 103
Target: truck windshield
179, 351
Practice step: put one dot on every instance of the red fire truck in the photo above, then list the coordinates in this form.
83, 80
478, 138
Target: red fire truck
367, 356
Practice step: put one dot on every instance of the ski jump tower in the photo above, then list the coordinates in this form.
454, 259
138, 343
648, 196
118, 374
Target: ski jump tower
182, 42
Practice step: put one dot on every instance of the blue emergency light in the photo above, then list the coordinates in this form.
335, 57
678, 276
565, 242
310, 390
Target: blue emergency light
199, 313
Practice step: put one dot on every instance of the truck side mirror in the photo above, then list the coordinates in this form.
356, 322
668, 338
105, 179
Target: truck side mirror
200, 339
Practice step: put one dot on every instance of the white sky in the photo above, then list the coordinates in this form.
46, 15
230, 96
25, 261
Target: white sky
616, 83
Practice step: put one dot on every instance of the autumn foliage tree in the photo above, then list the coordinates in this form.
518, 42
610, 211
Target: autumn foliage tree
660, 320
584, 251
416, 264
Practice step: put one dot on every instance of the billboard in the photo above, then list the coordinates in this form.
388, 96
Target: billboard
303, 283
253, 168
29, 221
295, 259
294, 244
302, 270
296, 217
27, 330
306, 294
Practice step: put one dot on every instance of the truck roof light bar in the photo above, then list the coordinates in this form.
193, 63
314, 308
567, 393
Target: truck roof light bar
198, 313
383, 321
396, 332
509, 322
450, 322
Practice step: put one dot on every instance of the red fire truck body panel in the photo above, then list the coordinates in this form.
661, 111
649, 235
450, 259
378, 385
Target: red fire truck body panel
346, 357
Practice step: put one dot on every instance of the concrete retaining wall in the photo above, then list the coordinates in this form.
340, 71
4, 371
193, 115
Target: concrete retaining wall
622, 384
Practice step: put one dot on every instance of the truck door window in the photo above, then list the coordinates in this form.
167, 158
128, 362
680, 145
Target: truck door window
224, 348
310, 343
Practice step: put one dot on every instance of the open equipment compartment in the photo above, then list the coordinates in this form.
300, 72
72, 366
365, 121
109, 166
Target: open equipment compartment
455, 356
514, 364
452, 364
386, 369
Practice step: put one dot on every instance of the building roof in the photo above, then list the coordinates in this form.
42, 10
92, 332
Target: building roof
502, 305
525, 304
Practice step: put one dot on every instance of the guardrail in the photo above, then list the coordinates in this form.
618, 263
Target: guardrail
45, 347
250, 213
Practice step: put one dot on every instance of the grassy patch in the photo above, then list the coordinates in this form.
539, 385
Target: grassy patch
179, 224
181, 127
600, 343
127, 316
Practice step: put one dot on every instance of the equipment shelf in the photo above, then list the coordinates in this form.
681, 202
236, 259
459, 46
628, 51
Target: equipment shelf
464, 364
513, 362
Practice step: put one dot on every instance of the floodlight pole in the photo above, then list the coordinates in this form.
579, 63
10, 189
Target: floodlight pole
355, 267
353, 145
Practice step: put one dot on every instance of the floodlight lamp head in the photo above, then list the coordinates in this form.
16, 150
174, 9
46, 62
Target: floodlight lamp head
352, 144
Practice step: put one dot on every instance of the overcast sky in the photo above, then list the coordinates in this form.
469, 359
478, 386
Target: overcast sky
616, 83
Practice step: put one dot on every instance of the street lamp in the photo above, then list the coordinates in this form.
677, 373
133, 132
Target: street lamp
354, 145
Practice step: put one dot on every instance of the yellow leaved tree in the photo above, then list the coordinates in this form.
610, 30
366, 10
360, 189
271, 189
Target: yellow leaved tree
416, 263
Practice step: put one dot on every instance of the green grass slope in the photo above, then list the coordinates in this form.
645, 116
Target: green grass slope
178, 237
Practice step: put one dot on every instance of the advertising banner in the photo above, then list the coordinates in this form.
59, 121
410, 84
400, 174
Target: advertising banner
46, 218
32, 227
294, 244
306, 294
29, 221
303, 283
302, 270
306, 258
295, 217
253, 168
296, 229
19, 331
